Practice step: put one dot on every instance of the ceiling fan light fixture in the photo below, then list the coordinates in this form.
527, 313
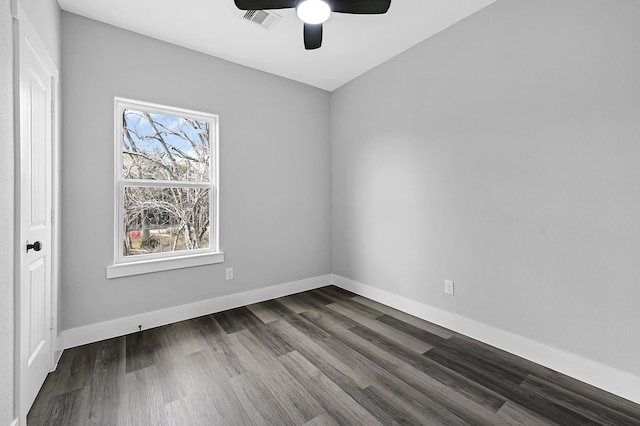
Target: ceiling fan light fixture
313, 11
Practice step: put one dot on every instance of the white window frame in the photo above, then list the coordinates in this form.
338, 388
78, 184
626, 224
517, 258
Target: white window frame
146, 263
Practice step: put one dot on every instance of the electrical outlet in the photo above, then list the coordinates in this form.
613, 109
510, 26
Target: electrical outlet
448, 287
229, 274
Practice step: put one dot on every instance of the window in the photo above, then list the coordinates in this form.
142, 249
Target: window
166, 193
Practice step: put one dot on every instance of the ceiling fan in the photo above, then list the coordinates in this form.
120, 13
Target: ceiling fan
314, 12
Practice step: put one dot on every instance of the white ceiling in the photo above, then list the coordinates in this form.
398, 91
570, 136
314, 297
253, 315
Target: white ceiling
352, 44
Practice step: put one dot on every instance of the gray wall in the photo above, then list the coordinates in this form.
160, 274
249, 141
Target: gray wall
504, 154
274, 169
6, 215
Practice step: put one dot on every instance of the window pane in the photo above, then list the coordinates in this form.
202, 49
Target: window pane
160, 220
164, 147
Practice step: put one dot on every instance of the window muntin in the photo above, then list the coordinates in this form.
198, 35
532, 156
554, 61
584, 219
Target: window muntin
166, 182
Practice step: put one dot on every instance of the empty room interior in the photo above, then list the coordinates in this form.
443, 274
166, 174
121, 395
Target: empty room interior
426, 214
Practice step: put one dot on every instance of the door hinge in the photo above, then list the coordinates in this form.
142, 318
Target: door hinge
52, 324
53, 109
53, 216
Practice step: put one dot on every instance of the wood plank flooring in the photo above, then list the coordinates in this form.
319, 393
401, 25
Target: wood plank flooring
322, 357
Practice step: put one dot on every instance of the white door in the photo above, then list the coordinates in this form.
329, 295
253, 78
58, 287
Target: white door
35, 222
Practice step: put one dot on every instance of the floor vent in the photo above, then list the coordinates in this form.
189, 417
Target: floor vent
264, 18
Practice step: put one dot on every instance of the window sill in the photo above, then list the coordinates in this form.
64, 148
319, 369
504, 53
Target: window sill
156, 265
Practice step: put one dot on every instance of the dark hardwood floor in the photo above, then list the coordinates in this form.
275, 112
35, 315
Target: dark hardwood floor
323, 357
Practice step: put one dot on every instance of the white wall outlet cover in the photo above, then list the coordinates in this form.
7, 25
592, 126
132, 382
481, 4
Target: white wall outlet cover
229, 274
448, 287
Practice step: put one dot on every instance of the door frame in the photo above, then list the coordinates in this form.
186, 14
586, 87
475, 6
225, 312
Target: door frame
23, 29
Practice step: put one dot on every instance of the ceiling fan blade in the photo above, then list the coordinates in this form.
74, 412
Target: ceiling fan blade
264, 4
364, 7
312, 36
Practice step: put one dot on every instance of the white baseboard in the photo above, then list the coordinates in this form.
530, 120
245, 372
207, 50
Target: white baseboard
601, 376
119, 327
56, 357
